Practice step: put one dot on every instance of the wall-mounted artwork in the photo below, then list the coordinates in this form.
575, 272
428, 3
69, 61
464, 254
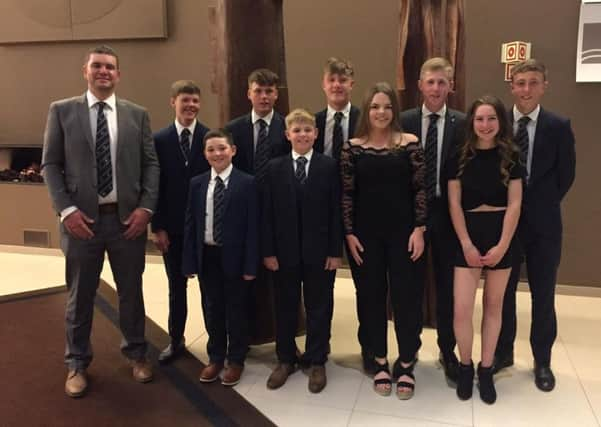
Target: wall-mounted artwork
27, 21
588, 58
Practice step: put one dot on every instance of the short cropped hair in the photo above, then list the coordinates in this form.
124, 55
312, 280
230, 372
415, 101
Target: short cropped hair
101, 50
339, 66
263, 77
218, 133
437, 64
184, 86
300, 115
529, 65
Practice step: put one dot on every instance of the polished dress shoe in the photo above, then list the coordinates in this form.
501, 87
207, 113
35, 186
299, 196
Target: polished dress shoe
317, 378
171, 352
450, 365
76, 383
544, 378
210, 372
141, 370
231, 375
501, 362
279, 375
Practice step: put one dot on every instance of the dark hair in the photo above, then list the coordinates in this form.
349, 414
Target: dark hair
363, 125
503, 139
339, 66
184, 86
218, 133
529, 65
263, 77
102, 50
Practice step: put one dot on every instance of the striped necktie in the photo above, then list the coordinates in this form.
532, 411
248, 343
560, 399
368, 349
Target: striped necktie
218, 210
431, 154
104, 167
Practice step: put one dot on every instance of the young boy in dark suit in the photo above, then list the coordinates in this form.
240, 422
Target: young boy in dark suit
221, 246
302, 244
179, 149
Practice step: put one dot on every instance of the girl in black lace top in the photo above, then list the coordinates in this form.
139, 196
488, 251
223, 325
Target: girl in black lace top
384, 210
485, 194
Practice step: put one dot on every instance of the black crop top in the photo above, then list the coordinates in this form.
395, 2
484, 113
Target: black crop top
482, 182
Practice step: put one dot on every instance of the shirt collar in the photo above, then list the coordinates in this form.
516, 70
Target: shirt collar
441, 113
517, 115
345, 111
267, 118
111, 101
224, 175
179, 127
307, 156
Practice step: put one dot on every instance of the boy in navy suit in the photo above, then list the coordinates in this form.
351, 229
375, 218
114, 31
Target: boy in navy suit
221, 247
179, 150
302, 243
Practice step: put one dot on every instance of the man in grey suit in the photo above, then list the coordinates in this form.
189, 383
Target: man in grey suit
102, 173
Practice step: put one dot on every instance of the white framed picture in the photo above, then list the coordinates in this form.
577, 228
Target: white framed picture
588, 58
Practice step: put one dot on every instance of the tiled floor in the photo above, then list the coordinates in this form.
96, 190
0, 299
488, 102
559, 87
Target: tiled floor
348, 399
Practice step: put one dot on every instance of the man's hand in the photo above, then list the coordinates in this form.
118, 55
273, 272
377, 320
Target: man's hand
136, 223
271, 263
161, 241
76, 224
248, 277
333, 263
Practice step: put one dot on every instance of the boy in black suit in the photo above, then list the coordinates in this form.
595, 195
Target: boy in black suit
547, 146
440, 130
221, 246
336, 123
179, 150
302, 243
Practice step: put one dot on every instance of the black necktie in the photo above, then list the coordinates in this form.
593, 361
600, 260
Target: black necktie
103, 154
262, 152
431, 153
300, 173
522, 140
218, 196
337, 137
185, 143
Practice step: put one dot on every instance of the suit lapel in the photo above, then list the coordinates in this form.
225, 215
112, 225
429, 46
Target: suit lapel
353, 117
231, 186
83, 114
202, 203
122, 128
448, 132
250, 136
196, 148
539, 136
174, 138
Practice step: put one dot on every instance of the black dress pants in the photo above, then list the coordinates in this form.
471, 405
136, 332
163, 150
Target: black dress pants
178, 284
542, 256
386, 265
225, 304
318, 292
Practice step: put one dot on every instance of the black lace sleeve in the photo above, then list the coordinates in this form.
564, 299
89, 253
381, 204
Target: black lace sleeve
347, 176
418, 167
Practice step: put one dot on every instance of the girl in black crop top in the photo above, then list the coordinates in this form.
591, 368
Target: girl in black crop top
485, 195
384, 211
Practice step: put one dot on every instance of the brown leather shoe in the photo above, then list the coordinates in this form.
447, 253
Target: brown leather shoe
279, 375
77, 383
232, 374
317, 378
210, 372
142, 370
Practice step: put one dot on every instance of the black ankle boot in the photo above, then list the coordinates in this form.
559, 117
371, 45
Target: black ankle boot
488, 394
465, 381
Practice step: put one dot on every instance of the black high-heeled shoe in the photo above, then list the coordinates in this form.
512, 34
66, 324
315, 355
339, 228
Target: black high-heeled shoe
488, 394
465, 381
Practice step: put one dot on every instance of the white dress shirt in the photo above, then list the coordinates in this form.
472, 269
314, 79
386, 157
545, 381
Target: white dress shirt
530, 127
307, 156
328, 144
439, 133
225, 177
179, 128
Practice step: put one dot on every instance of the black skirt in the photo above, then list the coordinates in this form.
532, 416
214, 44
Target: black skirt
484, 229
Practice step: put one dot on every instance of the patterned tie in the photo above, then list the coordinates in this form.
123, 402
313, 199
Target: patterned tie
262, 152
300, 173
185, 143
103, 153
522, 140
337, 138
431, 153
218, 196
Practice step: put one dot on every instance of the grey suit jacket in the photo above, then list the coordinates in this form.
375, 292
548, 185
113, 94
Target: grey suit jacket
69, 160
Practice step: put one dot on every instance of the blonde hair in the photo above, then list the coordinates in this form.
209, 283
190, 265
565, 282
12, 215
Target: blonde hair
437, 64
300, 115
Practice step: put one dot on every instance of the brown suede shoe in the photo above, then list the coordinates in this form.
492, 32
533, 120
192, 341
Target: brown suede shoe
279, 375
77, 383
232, 374
317, 378
210, 372
142, 370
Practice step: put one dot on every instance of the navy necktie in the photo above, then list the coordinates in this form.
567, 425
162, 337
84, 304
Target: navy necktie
522, 140
261, 152
218, 210
185, 144
337, 136
104, 167
431, 154
301, 174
